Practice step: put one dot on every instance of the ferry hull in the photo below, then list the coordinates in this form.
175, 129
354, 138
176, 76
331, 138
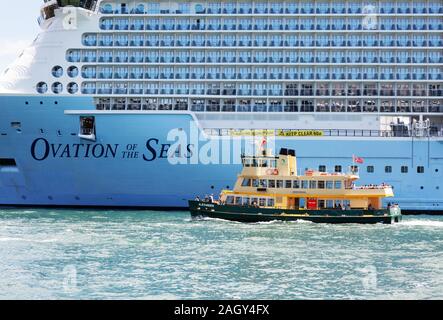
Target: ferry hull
254, 215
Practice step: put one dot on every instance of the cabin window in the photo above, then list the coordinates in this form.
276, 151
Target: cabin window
296, 184
238, 200
338, 185
329, 184
338, 203
338, 169
321, 204
271, 183
245, 201
420, 169
404, 169
321, 184
302, 202
347, 203
246, 182
247, 162
254, 201
304, 184
312, 184
329, 204
255, 183
229, 200
271, 202
370, 169
322, 168
279, 183
263, 163
263, 183
388, 169
288, 184
262, 202
274, 163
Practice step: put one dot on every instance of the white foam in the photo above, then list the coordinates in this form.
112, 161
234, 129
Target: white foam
422, 223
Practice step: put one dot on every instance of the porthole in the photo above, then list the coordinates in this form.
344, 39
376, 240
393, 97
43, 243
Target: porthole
42, 87
421, 187
57, 87
72, 71
57, 71
72, 88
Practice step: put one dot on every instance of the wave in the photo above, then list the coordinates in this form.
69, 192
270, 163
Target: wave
8, 239
422, 223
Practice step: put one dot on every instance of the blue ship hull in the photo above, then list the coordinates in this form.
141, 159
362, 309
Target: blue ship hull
126, 166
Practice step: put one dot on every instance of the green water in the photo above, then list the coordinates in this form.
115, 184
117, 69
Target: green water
61, 254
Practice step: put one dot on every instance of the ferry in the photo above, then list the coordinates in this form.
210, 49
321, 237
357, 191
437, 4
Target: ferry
269, 189
89, 111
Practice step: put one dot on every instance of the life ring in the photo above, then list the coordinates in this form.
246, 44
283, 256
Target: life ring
275, 172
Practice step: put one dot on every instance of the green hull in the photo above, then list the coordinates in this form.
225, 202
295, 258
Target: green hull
253, 214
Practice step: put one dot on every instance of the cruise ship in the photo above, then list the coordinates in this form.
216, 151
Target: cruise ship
95, 111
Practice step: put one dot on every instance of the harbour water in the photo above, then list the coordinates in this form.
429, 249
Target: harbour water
73, 254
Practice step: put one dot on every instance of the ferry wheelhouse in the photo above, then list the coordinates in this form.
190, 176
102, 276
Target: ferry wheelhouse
270, 188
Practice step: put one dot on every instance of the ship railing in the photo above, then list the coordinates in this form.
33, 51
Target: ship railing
322, 132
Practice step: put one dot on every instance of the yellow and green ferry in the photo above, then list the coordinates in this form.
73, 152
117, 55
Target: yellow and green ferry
269, 188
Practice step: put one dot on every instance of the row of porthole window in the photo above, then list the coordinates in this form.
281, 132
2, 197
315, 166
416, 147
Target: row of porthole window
371, 169
57, 87
57, 71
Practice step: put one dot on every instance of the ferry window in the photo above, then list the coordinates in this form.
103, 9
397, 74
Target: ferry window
329, 204
322, 168
237, 200
271, 202
264, 163
321, 204
347, 203
404, 169
57, 71
296, 184
255, 183
312, 184
72, 88
246, 182
262, 202
337, 203
388, 169
338, 185
288, 184
271, 183
57, 87
72, 71
321, 184
338, 169
263, 183
304, 184
254, 201
247, 162
302, 203
329, 184
370, 169
420, 169
274, 163
229, 200
279, 183
42, 87
245, 201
